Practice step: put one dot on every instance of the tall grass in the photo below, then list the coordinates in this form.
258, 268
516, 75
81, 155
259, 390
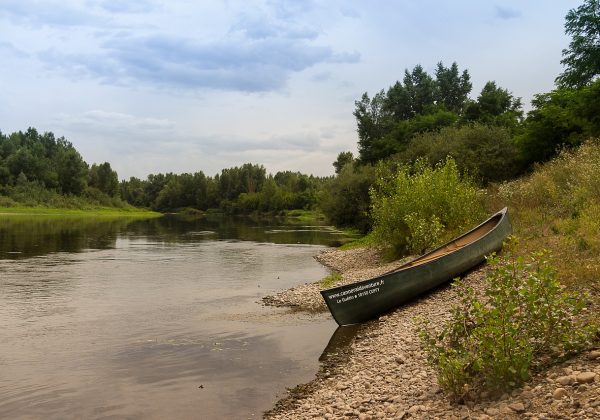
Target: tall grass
557, 208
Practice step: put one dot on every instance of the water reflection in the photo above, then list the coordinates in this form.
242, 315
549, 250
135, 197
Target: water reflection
153, 318
27, 236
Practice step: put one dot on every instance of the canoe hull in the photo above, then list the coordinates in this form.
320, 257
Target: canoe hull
367, 299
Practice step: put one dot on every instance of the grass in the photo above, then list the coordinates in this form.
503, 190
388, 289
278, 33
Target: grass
97, 211
359, 241
305, 216
330, 281
557, 208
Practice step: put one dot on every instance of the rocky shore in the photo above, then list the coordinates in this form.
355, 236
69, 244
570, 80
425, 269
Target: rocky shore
380, 371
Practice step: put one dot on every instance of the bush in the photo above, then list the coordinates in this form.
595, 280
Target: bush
345, 200
485, 152
524, 320
419, 206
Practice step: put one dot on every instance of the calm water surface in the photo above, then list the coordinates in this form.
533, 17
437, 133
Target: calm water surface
160, 318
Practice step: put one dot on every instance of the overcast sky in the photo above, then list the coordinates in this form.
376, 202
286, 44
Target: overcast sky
187, 85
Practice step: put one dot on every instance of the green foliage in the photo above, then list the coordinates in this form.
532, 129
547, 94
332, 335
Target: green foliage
495, 106
345, 199
563, 187
559, 119
330, 281
524, 320
343, 159
582, 58
485, 152
32, 157
415, 207
388, 122
104, 179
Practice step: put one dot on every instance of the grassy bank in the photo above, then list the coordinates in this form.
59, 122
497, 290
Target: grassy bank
91, 211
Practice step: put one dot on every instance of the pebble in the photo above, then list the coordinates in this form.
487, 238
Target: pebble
385, 375
519, 407
559, 393
586, 377
565, 380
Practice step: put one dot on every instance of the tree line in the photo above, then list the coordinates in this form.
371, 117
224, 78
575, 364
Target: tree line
429, 118
425, 117
245, 189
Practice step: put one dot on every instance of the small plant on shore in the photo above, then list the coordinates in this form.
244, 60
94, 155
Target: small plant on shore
330, 281
525, 320
420, 206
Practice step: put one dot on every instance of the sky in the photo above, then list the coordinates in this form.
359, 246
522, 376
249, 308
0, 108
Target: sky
184, 86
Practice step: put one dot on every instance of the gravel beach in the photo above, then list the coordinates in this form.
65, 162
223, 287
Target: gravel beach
379, 370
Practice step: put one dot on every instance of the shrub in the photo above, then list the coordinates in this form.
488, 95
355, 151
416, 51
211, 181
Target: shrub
524, 320
488, 153
419, 206
345, 199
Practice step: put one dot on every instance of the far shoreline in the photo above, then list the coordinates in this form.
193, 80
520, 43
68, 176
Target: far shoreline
91, 212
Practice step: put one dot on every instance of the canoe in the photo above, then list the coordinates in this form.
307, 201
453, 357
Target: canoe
367, 299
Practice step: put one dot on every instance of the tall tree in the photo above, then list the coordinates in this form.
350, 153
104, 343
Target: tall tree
452, 88
104, 178
582, 58
495, 105
372, 122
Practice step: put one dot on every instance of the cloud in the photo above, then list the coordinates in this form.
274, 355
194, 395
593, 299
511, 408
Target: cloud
126, 6
8, 48
506, 13
113, 124
181, 63
48, 13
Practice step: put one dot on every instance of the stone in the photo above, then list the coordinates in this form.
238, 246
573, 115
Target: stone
565, 380
492, 411
595, 354
414, 409
527, 394
519, 407
586, 377
559, 393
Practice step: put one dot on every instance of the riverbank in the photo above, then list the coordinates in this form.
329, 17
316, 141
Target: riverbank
383, 373
91, 211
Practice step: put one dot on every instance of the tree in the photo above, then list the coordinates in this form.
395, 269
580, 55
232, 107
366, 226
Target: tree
104, 178
343, 159
452, 89
372, 122
562, 118
582, 58
496, 106
72, 172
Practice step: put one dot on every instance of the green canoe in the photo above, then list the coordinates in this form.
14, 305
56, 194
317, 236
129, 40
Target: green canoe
367, 299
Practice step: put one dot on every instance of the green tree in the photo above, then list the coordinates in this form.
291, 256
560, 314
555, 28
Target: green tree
373, 122
582, 58
104, 179
343, 159
72, 172
495, 105
452, 88
345, 199
562, 118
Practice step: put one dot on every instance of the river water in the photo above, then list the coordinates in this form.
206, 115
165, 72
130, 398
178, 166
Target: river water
160, 318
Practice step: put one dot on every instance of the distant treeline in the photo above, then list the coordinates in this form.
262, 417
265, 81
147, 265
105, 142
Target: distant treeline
245, 189
425, 118
40, 169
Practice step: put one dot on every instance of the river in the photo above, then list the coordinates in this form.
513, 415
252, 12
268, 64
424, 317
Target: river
157, 318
